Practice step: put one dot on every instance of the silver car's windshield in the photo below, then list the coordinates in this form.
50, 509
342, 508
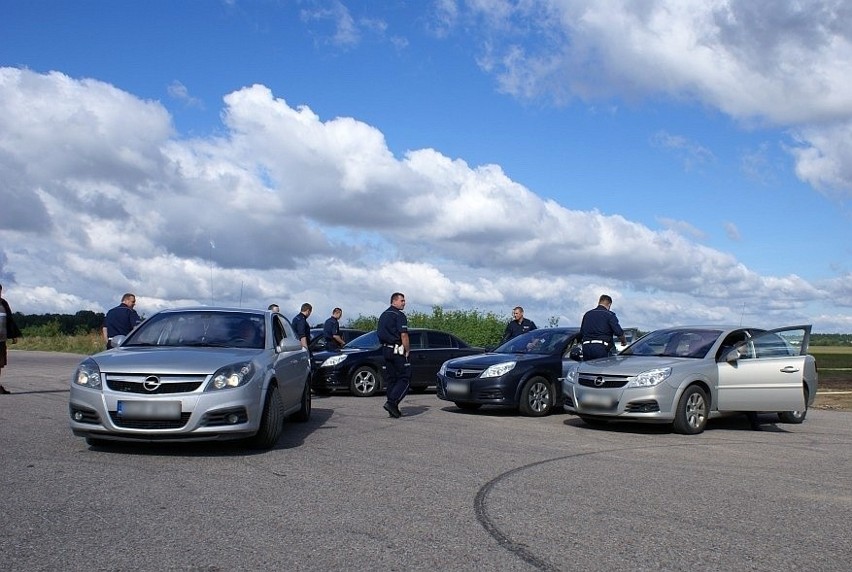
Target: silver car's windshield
688, 343
201, 328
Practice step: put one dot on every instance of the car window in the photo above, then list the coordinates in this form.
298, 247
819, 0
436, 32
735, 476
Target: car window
772, 345
278, 330
544, 342
415, 340
688, 343
200, 328
440, 340
368, 341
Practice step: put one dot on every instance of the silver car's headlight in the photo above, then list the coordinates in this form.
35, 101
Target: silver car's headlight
499, 369
650, 378
231, 376
88, 374
334, 360
569, 372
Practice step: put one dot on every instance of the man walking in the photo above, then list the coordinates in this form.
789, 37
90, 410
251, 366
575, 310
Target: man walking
598, 328
393, 334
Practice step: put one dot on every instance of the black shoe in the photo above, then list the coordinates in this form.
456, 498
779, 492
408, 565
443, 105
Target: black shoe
4, 391
392, 410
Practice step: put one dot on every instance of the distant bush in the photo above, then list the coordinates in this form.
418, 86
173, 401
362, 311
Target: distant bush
472, 326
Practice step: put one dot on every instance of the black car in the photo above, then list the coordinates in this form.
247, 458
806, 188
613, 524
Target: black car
358, 366
523, 374
319, 343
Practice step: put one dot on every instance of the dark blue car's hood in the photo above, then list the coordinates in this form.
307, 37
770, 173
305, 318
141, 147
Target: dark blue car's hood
482, 361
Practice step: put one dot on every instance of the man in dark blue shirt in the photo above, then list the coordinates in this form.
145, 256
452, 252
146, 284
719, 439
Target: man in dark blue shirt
393, 334
598, 328
300, 325
518, 325
331, 331
120, 320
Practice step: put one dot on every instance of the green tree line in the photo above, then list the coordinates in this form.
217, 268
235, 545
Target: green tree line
477, 328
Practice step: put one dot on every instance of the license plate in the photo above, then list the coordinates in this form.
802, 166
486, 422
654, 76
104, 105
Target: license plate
160, 410
455, 388
595, 400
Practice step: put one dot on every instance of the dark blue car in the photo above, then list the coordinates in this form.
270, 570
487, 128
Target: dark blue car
522, 374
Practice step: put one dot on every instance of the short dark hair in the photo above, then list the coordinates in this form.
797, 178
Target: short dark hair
605, 298
307, 306
397, 296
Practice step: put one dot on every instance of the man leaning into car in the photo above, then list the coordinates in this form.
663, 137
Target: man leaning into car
598, 328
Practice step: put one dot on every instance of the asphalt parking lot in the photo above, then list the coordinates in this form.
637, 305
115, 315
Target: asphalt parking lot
438, 489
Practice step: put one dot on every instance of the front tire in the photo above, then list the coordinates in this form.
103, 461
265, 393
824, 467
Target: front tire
365, 382
692, 411
304, 412
537, 397
271, 421
795, 417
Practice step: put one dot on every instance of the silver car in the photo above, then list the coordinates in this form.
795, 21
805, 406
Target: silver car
687, 375
194, 374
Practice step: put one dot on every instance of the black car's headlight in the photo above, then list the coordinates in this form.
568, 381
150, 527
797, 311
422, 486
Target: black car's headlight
88, 374
334, 360
499, 369
230, 376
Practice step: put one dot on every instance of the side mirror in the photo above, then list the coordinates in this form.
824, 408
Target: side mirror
118, 340
576, 353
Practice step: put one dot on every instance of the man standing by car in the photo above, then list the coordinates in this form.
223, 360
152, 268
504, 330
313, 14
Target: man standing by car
331, 331
517, 325
8, 331
598, 328
120, 320
392, 330
301, 327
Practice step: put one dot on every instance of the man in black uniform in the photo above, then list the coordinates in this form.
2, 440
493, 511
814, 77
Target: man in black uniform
393, 334
331, 331
300, 325
119, 321
517, 325
598, 328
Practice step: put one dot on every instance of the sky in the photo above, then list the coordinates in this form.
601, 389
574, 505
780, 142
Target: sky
693, 160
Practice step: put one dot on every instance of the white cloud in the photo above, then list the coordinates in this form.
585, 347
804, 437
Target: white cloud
758, 61
305, 209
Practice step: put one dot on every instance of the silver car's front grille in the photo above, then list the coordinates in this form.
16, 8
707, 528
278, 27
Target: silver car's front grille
154, 384
602, 381
149, 423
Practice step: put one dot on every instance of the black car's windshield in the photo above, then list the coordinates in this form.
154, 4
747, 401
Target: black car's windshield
368, 341
688, 343
545, 342
200, 329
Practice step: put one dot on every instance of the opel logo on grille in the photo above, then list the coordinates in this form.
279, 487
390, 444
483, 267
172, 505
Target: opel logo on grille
152, 383
599, 381
459, 373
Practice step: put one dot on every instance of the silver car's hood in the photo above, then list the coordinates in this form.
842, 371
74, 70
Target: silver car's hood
175, 360
632, 365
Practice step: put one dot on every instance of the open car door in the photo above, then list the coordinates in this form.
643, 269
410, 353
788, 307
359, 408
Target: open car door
765, 372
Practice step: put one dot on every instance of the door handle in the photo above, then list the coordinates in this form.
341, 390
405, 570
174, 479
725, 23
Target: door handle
789, 369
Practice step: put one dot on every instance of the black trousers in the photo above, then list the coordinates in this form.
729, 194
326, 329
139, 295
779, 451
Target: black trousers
397, 376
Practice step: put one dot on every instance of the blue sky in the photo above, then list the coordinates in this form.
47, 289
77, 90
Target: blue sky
693, 160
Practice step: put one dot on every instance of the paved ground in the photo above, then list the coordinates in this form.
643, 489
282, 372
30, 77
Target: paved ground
438, 489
